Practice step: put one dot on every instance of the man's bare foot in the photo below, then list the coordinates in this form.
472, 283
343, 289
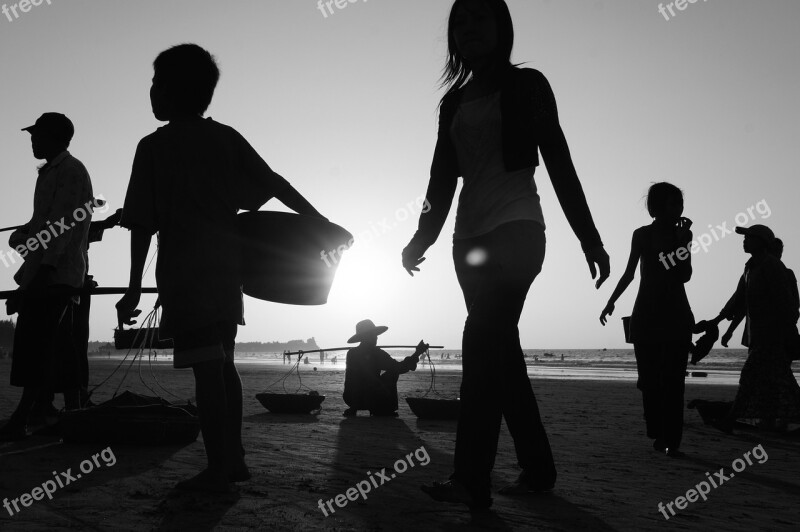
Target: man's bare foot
239, 472
208, 481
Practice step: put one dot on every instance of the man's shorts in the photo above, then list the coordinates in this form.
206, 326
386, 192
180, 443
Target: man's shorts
214, 342
44, 323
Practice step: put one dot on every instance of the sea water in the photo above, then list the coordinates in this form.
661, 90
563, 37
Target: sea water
721, 366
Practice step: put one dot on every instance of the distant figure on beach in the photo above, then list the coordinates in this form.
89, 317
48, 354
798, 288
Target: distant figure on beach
767, 297
370, 378
189, 180
493, 118
54, 267
662, 320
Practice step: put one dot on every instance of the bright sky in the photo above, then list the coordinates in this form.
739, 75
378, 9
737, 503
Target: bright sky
344, 106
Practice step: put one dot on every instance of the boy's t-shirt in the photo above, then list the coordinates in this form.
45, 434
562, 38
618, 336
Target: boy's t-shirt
189, 180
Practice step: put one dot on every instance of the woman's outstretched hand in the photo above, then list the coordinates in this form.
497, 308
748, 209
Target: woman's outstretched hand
412, 257
608, 311
598, 256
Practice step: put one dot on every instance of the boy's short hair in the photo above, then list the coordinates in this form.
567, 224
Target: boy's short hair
189, 74
658, 196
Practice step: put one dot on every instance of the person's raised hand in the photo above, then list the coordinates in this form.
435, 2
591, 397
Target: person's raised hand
609, 310
421, 347
683, 231
598, 256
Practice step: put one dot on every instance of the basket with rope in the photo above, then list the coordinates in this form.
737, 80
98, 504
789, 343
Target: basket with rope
292, 402
133, 418
437, 407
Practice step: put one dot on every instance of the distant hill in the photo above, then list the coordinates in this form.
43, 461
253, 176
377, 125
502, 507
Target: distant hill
248, 347
7, 343
277, 347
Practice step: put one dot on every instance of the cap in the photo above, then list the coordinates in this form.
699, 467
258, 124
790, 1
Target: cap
54, 124
761, 231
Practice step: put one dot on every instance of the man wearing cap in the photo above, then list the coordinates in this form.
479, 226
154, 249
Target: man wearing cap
758, 241
767, 387
365, 387
54, 246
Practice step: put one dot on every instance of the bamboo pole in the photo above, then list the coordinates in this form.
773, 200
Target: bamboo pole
301, 352
98, 291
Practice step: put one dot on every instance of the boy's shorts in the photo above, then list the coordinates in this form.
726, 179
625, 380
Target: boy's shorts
215, 342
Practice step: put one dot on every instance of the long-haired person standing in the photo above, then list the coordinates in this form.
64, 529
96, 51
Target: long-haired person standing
662, 320
493, 120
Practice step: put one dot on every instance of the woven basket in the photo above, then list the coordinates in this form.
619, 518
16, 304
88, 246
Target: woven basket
291, 403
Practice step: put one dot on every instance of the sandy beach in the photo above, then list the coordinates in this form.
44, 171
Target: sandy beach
609, 477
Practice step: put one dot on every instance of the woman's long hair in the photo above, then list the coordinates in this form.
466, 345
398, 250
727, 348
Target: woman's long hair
457, 71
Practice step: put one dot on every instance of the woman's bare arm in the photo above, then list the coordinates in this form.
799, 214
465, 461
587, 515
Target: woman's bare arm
627, 276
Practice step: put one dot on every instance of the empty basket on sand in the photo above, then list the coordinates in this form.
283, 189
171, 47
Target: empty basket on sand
433, 408
291, 403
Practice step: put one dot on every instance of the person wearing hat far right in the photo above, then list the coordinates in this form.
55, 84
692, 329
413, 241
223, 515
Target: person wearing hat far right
365, 387
767, 390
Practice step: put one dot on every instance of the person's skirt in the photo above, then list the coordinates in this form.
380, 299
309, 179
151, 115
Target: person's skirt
767, 387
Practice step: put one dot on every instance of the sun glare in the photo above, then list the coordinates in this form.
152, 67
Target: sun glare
362, 284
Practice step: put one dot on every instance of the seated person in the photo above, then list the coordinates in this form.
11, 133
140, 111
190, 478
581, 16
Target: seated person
365, 387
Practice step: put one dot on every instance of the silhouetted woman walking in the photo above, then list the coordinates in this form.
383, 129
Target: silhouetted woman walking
493, 118
662, 321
